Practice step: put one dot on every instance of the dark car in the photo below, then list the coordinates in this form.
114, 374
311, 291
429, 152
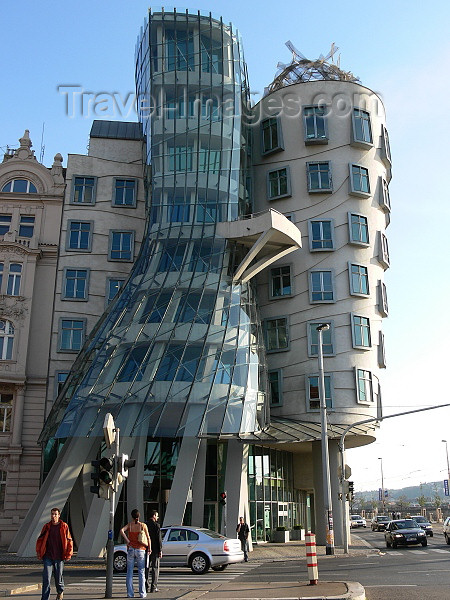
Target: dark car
403, 532
424, 523
379, 523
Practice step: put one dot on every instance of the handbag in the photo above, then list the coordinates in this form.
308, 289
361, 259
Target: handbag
142, 538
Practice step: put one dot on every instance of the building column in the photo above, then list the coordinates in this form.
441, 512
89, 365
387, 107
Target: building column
198, 486
19, 399
319, 509
236, 486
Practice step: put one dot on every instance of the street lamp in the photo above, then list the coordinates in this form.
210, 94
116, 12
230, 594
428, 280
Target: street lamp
327, 502
382, 484
448, 464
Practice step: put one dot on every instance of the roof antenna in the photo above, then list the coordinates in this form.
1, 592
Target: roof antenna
41, 155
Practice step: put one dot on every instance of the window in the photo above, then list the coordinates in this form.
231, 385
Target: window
26, 226
125, 192
209, 211
113, 286
211, 52
178, 209
383, 251
83, 190
315, 123
134, 364
278, 183
206, 257
271, 135
178, 366
5, 223
359, 229
222, 368
196, 307
6, 339
276, 387
280, 282
360, 332
14, 278
209, 160
385, 200
60, 379
79, 235
321, 286
179, 50
321, 235
75, 284
382, 299
71, 334
362, 131
314, 395
6, 404
20, 186
381, 351
172, 254
156, 307
359, 280
364, 388
327, 339
180, 158
277, 334
385, 147
319, 177
121, 245
359, 181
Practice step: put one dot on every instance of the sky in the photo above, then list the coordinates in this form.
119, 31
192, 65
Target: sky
399, 49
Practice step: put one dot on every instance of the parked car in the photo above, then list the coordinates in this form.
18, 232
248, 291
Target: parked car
404, 532
357, 521
424, 523
446, 530
379, 523
194, 547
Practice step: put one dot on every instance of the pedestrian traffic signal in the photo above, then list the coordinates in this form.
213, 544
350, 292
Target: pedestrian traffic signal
103, 477
350, 488
223, 498
123, 464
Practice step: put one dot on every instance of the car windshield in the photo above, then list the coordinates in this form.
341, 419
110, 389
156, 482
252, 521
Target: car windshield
382, 519
356, 518
406, 524
420, 520
211, 533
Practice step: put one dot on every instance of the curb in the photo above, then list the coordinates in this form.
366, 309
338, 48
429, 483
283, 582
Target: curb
20, 590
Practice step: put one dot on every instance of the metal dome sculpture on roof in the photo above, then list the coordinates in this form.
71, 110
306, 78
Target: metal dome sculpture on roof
302, 70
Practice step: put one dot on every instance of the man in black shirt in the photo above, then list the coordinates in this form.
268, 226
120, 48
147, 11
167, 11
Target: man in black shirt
243, 531
156, 552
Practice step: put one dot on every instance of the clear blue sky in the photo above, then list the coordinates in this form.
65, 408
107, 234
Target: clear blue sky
399, 49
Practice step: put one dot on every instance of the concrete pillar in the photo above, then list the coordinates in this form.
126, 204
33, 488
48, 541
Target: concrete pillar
135, 487
318, 493
236, 485
18, 416
198, 486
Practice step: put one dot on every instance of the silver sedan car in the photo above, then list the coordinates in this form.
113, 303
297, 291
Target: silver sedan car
193, 547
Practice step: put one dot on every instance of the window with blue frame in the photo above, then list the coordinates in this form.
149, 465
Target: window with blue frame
359, 180
319, 177
71, 334
327, 339
271, 135
321, 235
361, 332
364, 386
20, 186
362, 131
277, 334
125, 192
359, 280
121, 245
26, 226
79, 235
275, 387
75, 284
321, 286
314, 395
359, 229
14, 279
281, 283
314, 119
83, 190
113, 286
5, 223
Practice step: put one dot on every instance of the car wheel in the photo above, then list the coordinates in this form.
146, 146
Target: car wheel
388, 544
199, 563
394, 544
120, 562
220, 568
447, 539
424, 543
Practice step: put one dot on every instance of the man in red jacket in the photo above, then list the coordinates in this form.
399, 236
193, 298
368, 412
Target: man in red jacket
54, 546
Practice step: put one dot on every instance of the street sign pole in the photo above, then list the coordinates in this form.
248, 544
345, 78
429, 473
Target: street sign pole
112, 499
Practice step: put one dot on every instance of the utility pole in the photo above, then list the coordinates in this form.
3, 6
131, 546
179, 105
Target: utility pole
112, 440
382, 486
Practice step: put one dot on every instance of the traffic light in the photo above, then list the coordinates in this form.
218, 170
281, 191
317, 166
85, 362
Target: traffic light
386, 493
350, 489
103, 477
123, 464
223, 498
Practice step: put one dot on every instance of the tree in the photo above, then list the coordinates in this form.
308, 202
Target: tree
437, 500
402, 502
421, 500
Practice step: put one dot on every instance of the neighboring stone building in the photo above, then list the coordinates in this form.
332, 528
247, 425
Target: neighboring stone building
31, 200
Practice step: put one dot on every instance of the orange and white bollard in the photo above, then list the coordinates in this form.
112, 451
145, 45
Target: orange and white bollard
311, 558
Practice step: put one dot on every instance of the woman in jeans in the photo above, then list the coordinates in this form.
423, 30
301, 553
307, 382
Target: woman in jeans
136, 551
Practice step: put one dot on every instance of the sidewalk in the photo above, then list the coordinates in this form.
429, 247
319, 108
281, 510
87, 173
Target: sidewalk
296, 589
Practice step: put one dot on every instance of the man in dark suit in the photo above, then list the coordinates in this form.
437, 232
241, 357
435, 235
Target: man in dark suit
152, 571
243, 531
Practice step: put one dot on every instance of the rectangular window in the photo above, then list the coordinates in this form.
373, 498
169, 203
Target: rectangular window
113, 286
196, 307
364, 388
121, 245
211, 53
14, 279
280, 282
79, 235
321, 286
205, 257
319, 177
125, 192
270, 135
359, 181
5, 223
155, 309
209, 211
60, 378
385, 200
208, 160
381, 351
178, 209
385, 147
275, 387
172, 255
26, 226
361, 332
83, 190
177, 365
180, 158
382, 299
277, 334
71, 335
314, 395
134, 364
359, 280
362, 131
6, 406
383, 251
321, 235
327, 339
278, 183
359, 229
315, 123
179, 45
75, 284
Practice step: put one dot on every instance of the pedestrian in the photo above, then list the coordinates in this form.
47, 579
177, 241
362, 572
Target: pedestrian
54, 546
243, 531
152, 570
138, 542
